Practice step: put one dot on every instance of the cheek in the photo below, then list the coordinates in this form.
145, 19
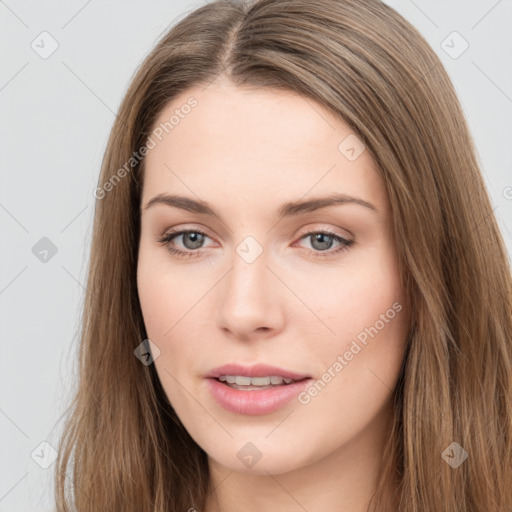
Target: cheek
154, 300
165, 296
359, 367
170, 302
354, 298
366, 310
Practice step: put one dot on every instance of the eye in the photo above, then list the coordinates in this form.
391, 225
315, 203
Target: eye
193, 239
322, 241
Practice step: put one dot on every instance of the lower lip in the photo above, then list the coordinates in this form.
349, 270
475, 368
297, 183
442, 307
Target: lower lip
255, 402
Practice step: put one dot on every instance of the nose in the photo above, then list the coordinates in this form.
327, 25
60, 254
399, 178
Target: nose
250, 301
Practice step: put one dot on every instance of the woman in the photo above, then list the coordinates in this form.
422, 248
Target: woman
299, 298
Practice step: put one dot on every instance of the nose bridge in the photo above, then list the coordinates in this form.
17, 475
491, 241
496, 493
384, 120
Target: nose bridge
248, 299
249, 274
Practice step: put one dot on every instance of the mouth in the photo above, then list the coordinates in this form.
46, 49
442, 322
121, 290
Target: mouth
256, 390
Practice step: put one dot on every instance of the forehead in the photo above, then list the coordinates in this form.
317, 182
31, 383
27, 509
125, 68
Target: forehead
255, 143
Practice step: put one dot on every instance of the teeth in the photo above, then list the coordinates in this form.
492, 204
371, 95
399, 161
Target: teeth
254, 381
258, 381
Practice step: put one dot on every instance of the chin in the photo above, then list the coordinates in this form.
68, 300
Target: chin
256, 459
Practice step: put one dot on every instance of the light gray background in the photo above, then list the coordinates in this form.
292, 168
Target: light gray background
56, 114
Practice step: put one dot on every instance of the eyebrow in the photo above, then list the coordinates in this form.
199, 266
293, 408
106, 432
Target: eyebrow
289, 209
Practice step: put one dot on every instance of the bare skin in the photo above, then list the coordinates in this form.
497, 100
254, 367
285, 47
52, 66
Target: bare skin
299, 305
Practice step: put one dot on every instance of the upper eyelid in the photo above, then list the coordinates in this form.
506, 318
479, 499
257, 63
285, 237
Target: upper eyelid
306, 231
183, 231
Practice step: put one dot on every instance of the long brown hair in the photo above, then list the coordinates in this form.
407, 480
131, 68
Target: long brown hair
126, 447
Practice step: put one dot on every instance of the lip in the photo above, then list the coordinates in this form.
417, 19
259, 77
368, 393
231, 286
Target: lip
257, 370
254, 402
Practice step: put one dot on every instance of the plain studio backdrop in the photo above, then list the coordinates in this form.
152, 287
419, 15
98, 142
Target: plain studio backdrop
65, 68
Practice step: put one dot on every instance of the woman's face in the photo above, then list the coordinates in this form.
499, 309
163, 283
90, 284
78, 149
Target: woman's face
267, 277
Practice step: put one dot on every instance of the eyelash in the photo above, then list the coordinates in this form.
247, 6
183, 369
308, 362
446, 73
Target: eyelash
169, 237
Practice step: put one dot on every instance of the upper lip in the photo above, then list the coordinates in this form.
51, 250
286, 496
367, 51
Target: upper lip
257, 370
